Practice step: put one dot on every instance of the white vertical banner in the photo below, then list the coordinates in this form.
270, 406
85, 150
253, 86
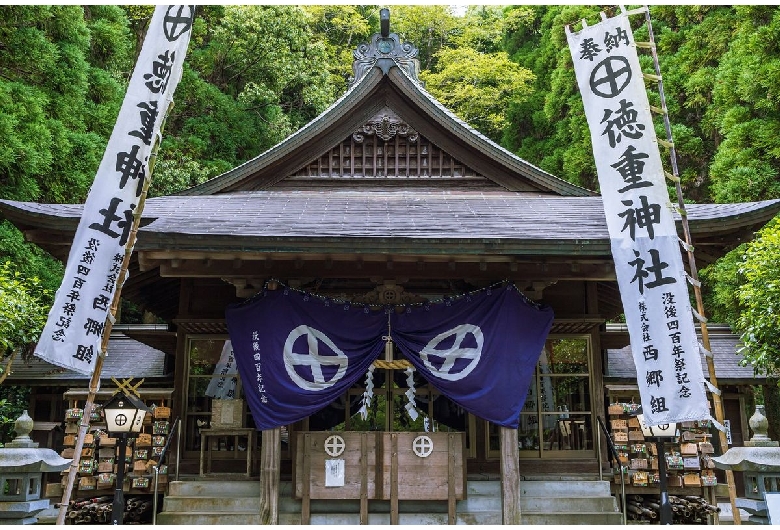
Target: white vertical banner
223, 386
644, 240
73, 332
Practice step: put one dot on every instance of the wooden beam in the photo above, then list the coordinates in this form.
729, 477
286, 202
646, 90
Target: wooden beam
548, 272
48, 237
510, 477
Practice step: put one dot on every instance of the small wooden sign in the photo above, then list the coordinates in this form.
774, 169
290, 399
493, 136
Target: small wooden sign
334, 473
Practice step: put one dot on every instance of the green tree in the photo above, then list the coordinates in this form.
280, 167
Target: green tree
253, 75
478, 86
342, 28
13, 401
746, 96
61, 84
549, 127
23, 313
429, 27
759, 301
692, 41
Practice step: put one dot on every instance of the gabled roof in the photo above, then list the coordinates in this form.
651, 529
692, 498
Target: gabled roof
724, 345
388, 89
126, 357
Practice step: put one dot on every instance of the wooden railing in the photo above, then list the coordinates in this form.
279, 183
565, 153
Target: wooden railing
395, 466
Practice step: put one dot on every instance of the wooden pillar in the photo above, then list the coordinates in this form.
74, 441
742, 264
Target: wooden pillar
363, 477
451, 456
394, 517
270, 449
510, 476
306, 484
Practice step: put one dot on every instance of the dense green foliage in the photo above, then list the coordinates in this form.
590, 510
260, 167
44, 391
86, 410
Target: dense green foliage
23, 311
256, 73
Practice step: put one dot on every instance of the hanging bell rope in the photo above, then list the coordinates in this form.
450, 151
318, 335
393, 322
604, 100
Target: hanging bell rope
388, 342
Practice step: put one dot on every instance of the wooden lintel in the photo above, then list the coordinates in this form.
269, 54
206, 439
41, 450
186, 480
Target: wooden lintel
48, 237
362, 269
146, 264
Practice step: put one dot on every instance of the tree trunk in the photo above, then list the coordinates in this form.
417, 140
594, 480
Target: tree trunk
7, 367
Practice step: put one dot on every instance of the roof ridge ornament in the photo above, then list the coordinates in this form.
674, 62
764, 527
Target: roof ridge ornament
385, 50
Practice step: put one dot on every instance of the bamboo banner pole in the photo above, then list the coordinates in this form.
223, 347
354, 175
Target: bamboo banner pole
94, 383
153, 81
694, 274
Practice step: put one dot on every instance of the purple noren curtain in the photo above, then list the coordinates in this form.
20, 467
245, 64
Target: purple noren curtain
297, 353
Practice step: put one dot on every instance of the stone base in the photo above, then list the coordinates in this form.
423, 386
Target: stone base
26, 520
752, 506
21, 509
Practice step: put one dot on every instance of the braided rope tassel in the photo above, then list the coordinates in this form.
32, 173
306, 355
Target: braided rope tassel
410, 405
368, 395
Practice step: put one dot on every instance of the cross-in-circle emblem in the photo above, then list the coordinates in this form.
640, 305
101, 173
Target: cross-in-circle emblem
610, 77
313, 360
177, 21
120, 419
422, 446
334, 445
457, 352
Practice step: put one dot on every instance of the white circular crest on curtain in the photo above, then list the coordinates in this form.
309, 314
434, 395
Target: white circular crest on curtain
313, 359
456, 352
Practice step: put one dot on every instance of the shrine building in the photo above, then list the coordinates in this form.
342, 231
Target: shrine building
387, 199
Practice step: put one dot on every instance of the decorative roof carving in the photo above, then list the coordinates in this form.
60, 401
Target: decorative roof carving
385, 126
388, 293
384, 51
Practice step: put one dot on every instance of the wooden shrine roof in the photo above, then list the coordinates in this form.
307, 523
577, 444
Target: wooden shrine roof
395, 93
126, 358
724, 345
515, 222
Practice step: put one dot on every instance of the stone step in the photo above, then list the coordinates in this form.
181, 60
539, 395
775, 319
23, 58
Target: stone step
543, 488
180, 503
213, 518
475, 504
574, 504
483, 518
483, 487
207, 488
542, 502
572, 518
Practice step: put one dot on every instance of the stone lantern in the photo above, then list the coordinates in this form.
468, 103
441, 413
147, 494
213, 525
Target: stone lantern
22, 465
760, 462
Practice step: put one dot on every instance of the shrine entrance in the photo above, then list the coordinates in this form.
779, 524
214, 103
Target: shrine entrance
409, 442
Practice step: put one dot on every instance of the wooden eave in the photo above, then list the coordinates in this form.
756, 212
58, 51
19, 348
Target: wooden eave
716, 229
374, 92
